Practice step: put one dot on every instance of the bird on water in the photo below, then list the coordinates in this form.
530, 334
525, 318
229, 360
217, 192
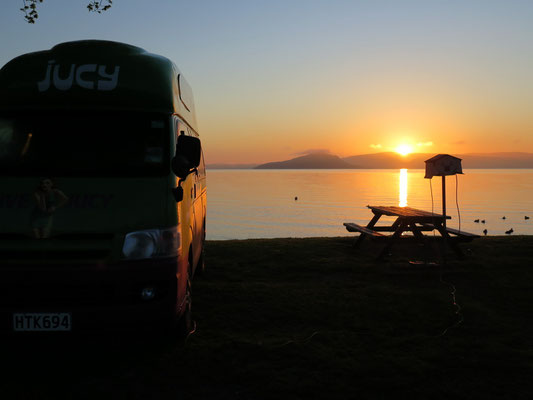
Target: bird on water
509, 231
485, 232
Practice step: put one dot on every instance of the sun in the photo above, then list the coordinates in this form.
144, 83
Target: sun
404, 149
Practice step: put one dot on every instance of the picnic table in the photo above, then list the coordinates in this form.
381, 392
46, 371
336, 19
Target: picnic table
408, 220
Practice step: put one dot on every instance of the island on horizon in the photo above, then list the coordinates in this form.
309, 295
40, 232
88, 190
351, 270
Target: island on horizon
389, 160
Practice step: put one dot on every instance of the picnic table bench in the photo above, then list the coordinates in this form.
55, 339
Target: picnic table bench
408, 219
351, 227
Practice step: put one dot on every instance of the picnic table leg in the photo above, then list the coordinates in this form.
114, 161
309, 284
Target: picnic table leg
448, 240
417, 232
420, 237
373, 221
395, 224
357, 242
402, 226
362, 236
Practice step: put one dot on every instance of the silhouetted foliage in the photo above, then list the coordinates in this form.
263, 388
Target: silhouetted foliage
29, 8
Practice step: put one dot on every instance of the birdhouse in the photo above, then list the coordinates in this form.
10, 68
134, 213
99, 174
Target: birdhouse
442, 165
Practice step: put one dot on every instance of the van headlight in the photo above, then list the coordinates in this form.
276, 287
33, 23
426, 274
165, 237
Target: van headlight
152, 243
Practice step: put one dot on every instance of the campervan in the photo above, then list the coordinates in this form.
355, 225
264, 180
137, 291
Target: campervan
102, 190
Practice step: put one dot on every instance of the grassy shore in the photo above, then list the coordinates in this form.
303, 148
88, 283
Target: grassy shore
313, 318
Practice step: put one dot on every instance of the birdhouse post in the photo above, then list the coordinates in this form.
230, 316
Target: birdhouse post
443, 165
444, 198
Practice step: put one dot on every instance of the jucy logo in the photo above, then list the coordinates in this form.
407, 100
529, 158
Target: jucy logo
84, 75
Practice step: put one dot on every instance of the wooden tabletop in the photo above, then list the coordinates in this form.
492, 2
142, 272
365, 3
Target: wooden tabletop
405, 212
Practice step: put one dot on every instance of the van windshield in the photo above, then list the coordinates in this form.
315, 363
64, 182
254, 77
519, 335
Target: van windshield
88, 143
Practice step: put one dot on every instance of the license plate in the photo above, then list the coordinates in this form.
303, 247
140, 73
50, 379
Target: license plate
42, 322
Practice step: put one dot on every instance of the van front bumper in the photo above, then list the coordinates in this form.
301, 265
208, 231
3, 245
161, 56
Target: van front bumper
99, 297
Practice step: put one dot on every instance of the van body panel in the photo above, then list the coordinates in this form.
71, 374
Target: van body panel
88, 130
116, 205
99, 296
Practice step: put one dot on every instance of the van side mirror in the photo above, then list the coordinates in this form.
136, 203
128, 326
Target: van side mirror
180, 166
188, 153
178, 194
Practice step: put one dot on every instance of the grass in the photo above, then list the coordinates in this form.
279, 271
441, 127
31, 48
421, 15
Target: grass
313, 318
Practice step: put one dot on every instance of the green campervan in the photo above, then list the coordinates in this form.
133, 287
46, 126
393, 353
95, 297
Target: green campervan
102, 190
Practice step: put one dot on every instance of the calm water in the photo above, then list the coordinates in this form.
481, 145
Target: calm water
261, 203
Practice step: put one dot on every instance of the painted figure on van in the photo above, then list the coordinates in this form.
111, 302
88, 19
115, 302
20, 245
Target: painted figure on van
48, 199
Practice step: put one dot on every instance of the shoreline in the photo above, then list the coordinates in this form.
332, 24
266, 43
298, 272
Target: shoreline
354, 236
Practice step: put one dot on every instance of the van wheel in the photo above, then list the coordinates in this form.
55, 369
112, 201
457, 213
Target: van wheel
185, 325
200, 267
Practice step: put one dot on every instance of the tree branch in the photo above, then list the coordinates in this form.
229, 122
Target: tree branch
29, 8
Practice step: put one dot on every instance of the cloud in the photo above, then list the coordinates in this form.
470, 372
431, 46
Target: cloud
376, 146
425, 144
312, 151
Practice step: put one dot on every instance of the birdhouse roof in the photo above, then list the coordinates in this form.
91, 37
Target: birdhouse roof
441, 156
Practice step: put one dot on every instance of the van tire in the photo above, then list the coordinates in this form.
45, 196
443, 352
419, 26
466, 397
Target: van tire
185, 324
200, 267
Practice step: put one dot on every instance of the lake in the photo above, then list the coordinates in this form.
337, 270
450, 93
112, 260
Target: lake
245, 204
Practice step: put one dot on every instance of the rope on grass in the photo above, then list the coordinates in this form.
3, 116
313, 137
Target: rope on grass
458, 308
191, 332
297, 341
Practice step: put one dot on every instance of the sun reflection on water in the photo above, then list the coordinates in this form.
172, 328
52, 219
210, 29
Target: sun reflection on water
403, 187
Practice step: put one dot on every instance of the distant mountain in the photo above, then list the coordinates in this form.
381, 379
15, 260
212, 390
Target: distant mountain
497, 160
309, 161
389, 160
230, 166
416, 160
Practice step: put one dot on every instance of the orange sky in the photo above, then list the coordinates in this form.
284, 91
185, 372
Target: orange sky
444, 79
275, 79
442, 110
